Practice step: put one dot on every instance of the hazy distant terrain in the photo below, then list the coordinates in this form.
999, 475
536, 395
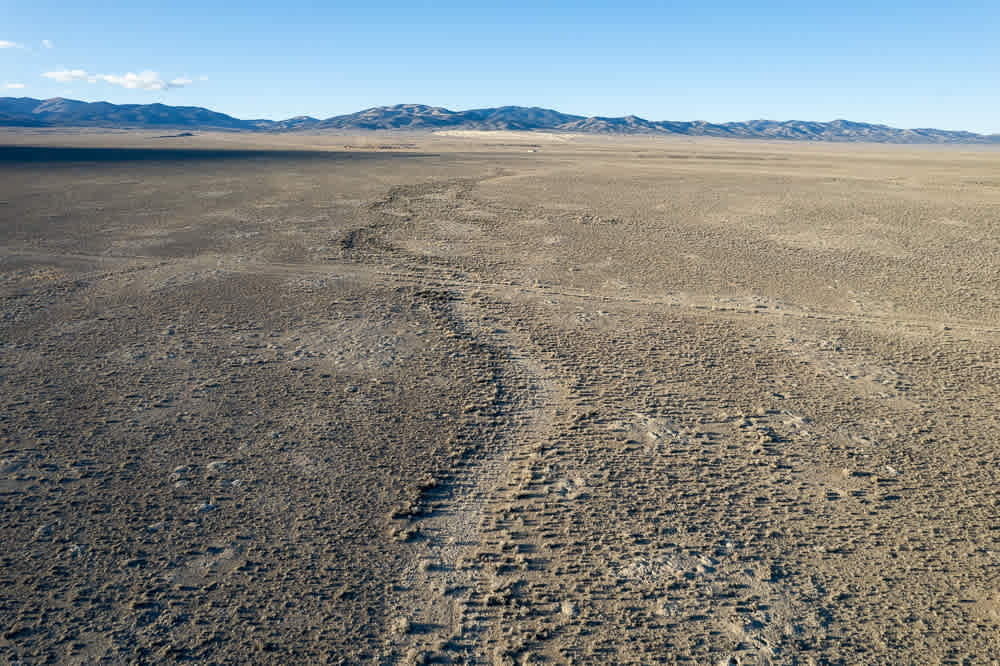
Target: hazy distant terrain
493, 399
59, 112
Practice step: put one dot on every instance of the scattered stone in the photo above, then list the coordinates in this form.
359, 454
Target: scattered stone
417, 657
10, 465
401, 626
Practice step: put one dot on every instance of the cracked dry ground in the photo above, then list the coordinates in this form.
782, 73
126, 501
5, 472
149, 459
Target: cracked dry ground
606, 402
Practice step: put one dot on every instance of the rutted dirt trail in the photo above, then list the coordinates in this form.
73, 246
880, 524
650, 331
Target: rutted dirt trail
455, 510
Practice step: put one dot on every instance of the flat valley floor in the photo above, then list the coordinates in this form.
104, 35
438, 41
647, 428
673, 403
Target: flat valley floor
496, 399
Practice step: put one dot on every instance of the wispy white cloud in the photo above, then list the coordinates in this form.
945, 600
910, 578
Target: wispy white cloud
13, 86
145, 80
67, 75
4, 44
47, 43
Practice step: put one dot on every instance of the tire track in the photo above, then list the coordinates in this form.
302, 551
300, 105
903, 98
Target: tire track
450, 524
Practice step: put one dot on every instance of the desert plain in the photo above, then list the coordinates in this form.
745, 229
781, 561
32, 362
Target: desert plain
497, 398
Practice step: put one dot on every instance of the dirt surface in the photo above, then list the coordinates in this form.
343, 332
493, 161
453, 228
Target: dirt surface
497, 398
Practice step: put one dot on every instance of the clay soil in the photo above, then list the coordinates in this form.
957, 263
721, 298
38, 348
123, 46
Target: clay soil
497, 398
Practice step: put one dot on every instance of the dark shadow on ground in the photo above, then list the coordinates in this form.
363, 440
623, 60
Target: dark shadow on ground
13, 155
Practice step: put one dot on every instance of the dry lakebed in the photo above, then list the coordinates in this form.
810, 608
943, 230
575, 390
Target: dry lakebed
497, 398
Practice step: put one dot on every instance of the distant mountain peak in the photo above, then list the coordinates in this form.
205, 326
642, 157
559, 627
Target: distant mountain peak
62, 112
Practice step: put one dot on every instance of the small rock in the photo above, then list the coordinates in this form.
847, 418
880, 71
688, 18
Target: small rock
417, 657
9, 465
204, 507
664, 608
401, 626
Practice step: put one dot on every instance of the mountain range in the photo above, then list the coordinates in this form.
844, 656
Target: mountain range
60, 112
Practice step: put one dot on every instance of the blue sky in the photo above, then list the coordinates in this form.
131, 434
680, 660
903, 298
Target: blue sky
907, 64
